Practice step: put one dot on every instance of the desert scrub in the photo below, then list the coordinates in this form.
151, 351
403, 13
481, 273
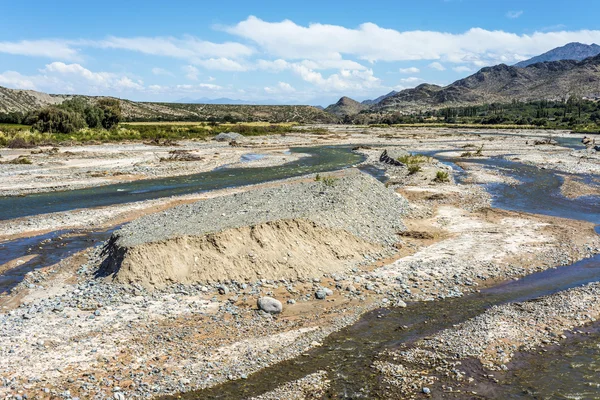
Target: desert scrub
414, 159
479, 152
441, 177
19, 160
413, 169
467, 154
328, 180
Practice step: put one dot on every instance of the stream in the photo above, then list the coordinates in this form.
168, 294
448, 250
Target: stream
347, 354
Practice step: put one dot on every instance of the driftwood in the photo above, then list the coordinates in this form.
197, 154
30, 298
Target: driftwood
385, 158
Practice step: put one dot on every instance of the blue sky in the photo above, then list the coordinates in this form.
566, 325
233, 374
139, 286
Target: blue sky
309, 52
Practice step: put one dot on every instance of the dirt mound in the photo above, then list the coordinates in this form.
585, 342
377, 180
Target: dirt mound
284, 249
324, 225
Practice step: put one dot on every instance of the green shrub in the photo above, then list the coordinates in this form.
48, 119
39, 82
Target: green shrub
20, 160
466, 154
329, 180
54, 119
442, 176
413, 169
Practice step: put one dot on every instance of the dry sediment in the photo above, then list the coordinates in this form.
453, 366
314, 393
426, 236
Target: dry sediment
258, 234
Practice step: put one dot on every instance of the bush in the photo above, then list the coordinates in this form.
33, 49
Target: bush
54, 119
413, 169
442, 176
329, 180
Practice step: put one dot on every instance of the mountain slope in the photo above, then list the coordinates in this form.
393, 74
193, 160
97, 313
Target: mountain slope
503, 83
379, 99
12, 100
572, 51
346, 106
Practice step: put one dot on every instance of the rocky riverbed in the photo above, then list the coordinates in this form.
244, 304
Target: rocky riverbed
68, 330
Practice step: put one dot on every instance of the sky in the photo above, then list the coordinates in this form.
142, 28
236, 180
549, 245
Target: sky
304, 52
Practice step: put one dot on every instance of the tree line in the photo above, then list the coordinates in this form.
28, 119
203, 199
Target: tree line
69, 116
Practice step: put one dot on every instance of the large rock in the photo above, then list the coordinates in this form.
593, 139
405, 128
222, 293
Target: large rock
270, 305
229, 136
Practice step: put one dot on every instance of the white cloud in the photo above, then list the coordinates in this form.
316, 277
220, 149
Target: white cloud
462, 68
77, 71
514, 14
58, 77
210, 86
188, 47
191, 72
221, 64
282, 87
411, 80
16, 80
410, 70
212, 79
290, 41
57, 49
437, 65
161, 71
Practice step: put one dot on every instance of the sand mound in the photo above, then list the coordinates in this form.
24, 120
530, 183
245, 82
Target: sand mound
285, 249
300, 229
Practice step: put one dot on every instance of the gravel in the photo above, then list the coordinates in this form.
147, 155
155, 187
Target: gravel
355, 202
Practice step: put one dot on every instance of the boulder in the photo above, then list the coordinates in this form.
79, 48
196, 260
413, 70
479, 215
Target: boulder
270, 305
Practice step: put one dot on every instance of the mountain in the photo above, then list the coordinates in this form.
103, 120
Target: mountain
28, 100
379, 99
572, 51
346, 106
503, 84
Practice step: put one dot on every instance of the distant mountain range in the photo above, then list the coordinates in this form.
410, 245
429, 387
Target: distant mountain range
548, 80
572, 51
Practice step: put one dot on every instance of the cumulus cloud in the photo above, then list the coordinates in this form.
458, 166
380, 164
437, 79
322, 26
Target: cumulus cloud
410, 70
161, 71
188, 47
282, 87
57, 49
411, 80
221, 64
60, 77
462, 68
437, 65
288, 40
191, 72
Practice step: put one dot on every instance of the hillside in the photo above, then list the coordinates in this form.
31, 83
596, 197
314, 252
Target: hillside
346, 106
572, 51
379, 99
503, 84
12, 100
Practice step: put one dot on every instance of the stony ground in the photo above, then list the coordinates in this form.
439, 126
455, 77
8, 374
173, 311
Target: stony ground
64, 333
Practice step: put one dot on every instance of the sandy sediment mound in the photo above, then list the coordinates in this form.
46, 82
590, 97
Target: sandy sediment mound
300, 229
284, 249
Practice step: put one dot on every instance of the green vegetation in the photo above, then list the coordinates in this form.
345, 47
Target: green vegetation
576, 114
413, 169
327, 180
19, 160
441, 177
156, 133
414, 159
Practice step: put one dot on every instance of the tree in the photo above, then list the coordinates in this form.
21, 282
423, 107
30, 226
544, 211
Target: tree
112, 112
57, 120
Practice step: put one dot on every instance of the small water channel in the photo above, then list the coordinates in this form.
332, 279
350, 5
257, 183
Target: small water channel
320, 159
